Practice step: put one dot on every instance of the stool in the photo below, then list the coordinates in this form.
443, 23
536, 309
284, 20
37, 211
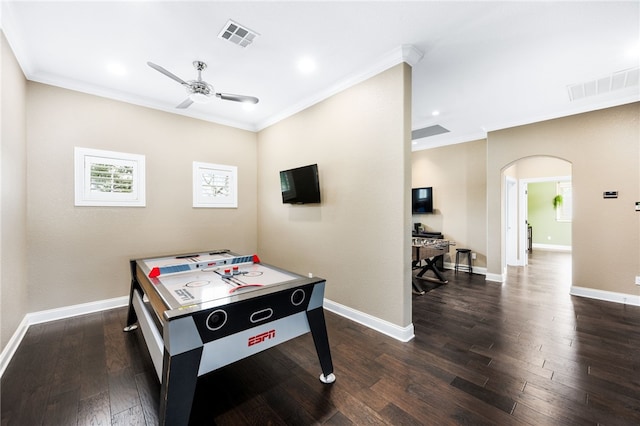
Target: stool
469, 266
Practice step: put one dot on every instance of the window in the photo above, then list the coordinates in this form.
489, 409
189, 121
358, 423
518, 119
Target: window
215, 185
564, 211
106, 178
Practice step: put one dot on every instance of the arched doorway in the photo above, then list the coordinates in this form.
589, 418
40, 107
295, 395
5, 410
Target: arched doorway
534, 218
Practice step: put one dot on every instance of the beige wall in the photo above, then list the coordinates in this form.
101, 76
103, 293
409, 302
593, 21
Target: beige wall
540, 167
358, 237
457, 174
604, 150
13, 199
80, 254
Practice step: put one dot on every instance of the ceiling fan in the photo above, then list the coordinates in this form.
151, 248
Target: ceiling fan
199, 90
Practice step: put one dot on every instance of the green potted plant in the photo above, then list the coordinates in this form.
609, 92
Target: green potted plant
557, 200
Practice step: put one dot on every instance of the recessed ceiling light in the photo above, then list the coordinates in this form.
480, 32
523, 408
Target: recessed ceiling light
435, 113
306, 65
116, 68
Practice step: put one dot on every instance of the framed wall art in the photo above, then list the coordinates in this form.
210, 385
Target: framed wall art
215, 185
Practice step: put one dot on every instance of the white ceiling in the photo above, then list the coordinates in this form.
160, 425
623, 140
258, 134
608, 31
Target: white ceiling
485, 65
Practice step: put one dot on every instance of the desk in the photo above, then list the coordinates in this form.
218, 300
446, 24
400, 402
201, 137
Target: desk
201, 311
428, 249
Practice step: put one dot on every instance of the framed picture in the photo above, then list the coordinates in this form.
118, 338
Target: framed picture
215, 185
107, 178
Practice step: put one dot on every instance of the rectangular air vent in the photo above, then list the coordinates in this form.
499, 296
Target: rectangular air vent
428, 131
237, 34
617, 81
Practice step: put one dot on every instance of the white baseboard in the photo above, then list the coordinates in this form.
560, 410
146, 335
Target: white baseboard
476, 269
607, 296
75, 310
404, 334
12, 345
52, 315
550, 247
498, 278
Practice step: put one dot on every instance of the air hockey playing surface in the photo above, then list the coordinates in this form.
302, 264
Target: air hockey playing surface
213, 277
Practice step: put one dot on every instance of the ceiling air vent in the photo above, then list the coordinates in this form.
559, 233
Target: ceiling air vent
617, 81
237, 34
428, 131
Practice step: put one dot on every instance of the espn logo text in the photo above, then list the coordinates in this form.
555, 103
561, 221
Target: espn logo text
259, 338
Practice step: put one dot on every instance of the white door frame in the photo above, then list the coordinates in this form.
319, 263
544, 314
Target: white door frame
511, 221
523, 221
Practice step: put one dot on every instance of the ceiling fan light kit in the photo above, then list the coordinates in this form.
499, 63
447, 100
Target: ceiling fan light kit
199, 90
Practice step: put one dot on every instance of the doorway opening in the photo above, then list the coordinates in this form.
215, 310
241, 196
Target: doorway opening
537, 216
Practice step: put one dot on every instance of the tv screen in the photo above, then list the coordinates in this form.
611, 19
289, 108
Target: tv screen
300, 185
422, 200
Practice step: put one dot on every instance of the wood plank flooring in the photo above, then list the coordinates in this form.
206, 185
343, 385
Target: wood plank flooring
520, 353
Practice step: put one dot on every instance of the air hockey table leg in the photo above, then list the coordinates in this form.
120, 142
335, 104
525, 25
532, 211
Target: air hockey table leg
318, 328
132, 317
179, 378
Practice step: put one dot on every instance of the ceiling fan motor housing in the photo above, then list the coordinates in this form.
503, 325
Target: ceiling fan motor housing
199, 90
200, 87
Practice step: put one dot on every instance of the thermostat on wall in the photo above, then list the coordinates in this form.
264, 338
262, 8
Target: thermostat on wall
610, 194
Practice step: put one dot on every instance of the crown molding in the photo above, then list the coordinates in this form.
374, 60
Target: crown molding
411, 54
405, 53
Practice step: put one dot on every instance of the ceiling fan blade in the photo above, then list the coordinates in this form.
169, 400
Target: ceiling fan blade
237, 98
167, 73
185, 104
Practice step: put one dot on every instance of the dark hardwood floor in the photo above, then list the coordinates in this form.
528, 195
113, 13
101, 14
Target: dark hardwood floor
524, 352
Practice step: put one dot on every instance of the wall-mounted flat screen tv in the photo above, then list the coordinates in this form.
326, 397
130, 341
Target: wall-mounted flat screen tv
422, 200
300, 185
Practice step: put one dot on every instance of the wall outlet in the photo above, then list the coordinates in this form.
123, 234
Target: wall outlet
637, 279
473, 256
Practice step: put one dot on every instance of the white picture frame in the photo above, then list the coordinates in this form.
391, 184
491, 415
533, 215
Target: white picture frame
108, 178
215, 185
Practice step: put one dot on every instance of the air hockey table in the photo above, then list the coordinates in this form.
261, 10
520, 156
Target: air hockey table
201, 311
